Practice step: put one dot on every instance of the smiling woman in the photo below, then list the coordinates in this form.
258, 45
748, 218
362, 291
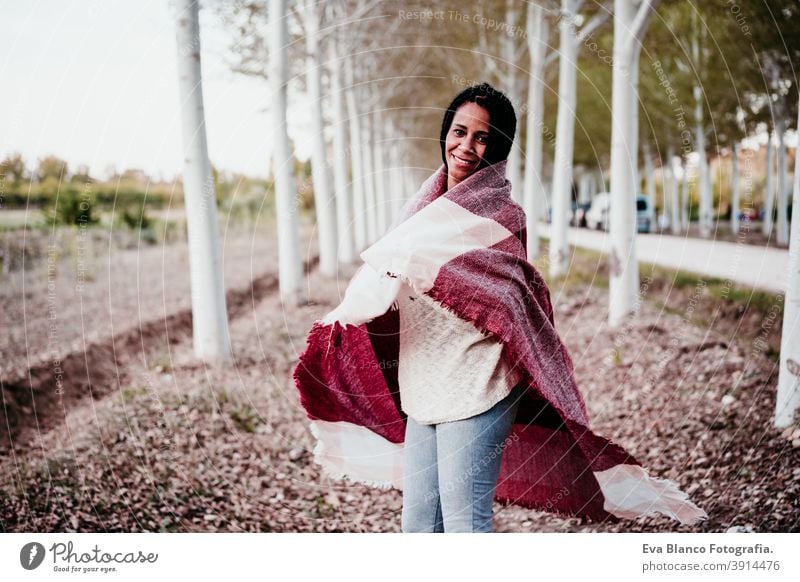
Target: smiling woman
482, 405
477, 131
466, 142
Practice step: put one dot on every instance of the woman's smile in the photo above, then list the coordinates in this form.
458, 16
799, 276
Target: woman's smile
464, 162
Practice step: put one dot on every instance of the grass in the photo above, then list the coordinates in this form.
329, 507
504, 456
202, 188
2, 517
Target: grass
246, 418
669, 289
590, 267
14, 219
587, 268
762, 302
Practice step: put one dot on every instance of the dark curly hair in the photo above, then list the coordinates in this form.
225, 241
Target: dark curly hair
502, 121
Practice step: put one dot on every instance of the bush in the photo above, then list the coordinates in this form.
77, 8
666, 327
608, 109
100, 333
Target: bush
71, 208
134, 217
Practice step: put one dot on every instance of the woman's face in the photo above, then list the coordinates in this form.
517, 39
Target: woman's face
466, 142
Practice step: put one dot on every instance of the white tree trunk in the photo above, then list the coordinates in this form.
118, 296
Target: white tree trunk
357, 160
705, 221
324, 205
209, 313
685, 195
782, 237
629, 24
370, 199
666, 176
290, 267
674, 202
548, 194
533, 199
583, 186
396, 181
565, 140
514, 172
651, 209
514, 165
409, 185
344, 229
704, 184
788, 399
769, 192
650, 179
381, 196
735, 189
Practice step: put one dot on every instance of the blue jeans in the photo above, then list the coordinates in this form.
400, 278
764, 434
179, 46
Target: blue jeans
450, 469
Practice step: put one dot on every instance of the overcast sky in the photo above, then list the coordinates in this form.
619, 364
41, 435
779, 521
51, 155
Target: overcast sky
95, 82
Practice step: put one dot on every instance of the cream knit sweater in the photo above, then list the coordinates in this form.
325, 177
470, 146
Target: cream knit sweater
448, 370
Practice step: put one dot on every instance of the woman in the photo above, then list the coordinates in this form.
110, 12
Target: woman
454, 385
441, 372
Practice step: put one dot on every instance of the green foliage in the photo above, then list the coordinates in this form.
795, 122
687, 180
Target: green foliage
246, 418
72, 207
13, 172
135, 217
52, 167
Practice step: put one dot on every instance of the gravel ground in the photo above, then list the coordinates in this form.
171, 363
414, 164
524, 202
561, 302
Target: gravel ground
183, 446
94, 284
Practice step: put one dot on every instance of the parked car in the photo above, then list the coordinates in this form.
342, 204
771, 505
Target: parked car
597, 216
642, 214
576, 214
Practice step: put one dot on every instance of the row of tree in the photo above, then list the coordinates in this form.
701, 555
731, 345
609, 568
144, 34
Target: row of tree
377, 75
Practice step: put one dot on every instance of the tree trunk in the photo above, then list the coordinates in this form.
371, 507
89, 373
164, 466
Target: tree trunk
393, 179
685, 195
356, 159
209, 313
409, 185
547, 207
788, 399
290, 268
650, 179
514, 165
370, 198
533, 199
323, 203
565, 141
735, 189
381, 196
674, 201
783, 220
583, 185
769, 190
346, 251
629, 25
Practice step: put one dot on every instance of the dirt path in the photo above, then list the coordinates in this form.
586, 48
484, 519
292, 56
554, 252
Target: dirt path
189, 447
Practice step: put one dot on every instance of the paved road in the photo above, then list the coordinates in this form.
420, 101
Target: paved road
758, 267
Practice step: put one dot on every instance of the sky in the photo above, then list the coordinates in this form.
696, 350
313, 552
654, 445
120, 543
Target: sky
95, 82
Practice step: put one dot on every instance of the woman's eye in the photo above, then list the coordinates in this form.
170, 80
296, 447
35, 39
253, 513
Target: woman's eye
482, 139
458, 131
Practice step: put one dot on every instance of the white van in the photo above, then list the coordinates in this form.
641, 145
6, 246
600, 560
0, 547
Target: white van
597, 215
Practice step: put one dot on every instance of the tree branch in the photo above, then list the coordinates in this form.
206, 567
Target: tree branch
594, 23
484, 48
643, 15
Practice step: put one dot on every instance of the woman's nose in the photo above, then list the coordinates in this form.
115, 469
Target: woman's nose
468, 144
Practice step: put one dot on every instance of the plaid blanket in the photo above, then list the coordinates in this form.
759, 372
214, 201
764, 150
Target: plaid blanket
466, 248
